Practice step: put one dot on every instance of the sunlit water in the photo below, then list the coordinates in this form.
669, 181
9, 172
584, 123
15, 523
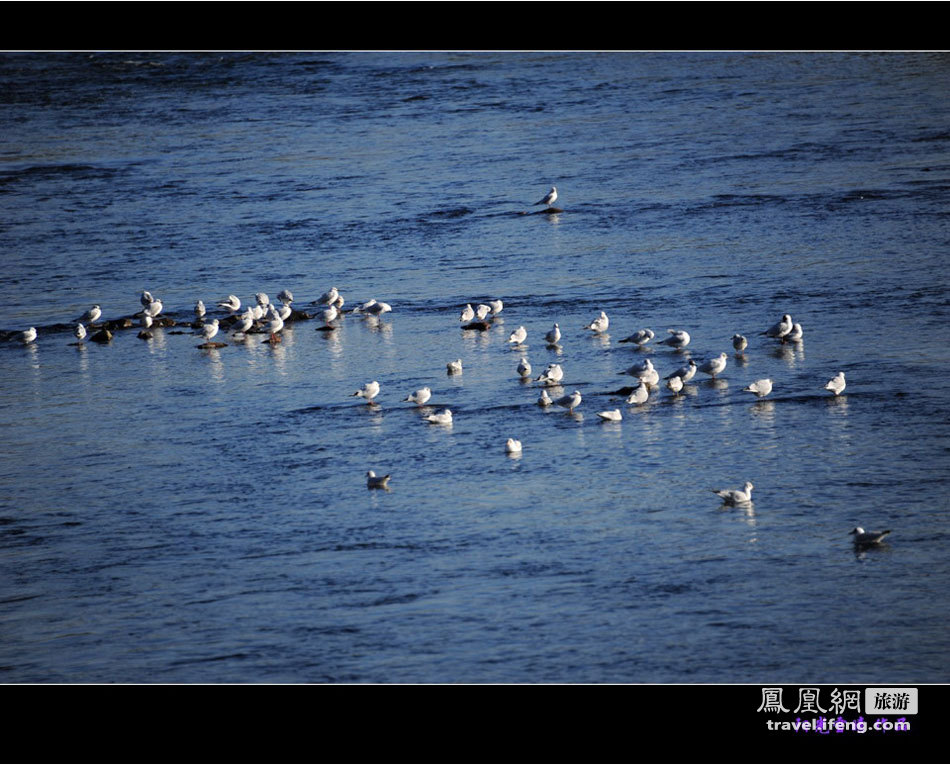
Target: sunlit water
171, 514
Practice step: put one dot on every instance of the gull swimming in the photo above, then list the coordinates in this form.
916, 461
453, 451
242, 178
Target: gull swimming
685, 373
739, 343
735, 496
92, 315
374, 481
544, 399
467, 314
679, 338
232, 304
836, 384
640, 337
207, 331
454, 367
80, 332
552, 375
524, 368
28, 336
513, 446
420, 396
599, 324
612, 415
780, 328
640, 395
518, 336
548, 199
441, 418
862, 537
571, 401
760, 387
368, 391
714, 366
553, 335
795, 335
200, 309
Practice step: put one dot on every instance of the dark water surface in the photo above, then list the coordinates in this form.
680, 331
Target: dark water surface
170, 514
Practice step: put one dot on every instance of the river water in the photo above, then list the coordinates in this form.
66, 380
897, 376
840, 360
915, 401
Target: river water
170, 514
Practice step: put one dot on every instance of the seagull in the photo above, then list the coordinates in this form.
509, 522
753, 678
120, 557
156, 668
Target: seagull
518, 336
208, 331
640, 366
276, 324
513, 446
154, 308
612, 415
640, 337
146, 298
454, 367
524, 368
862, 537
714, 366
640, 395
780, 328
338, 302
599, 324
330, 314
675, 384
679, 338
685, 373
548, 198
496, 307
285, 310
795, 335
836, 384
760, 387
262, 299
735, 496
467, 313
257, 311
200, 309
571, 401
80, 332
441, 418
330, 296
146, 321
374, 308
553, 335
552, 375
286, 297
29, 335
544, 399
645, 372
420, 396
739, 343
368, 391
374, 481
232, 304
482, 311
244, 323
92, 315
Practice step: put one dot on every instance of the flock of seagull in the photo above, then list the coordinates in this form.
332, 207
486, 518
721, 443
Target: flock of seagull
265, 317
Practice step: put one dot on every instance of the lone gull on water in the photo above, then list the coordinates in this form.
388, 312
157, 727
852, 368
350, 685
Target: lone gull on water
735, 496
374, 481
862, 537
441, 418
599, 324
368, 391
836, 384
760, 387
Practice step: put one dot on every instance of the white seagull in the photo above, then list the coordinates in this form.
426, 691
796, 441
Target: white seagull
207, 331
640, 337
760, 387
675, 384
454, 367
548, 199
441, 418
262, 299
714, 366
685, 373
154, 308
836, 384
232, 304
420, 396
482, 311
80, 332
92, 315
679, 338
368, 391
146, 298
599, 324
276, 324
780, 328
374, 481
467, 313
28, 336
795, 335
286, 297
518, 336
200, 309
513, 446
374, 307
640, 395
330, 296
862, 537
524, 368
739, 343
496, 307
552, 375
553, 335
612, 415
544, 399
735, 496
243, 324
571, 401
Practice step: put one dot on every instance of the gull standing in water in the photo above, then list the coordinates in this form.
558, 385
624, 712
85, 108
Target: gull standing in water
80, 332
330, 296
548, 199
200, 310
368, 391
741, 496
544, 399
553, 335
518, 336
571, 401
640, 337
454, 367
496, 307
675, 384
482, 311
599, 324
420, 396
640, 395
760, 387
836, 384
276, 324
552, 375
685, 373
467, 313
374, 481
795, 335
524, 368
612, 415
780, 328
714, 366
441, 418
862, 537
243, 324
739, 343
679, 338
92, 315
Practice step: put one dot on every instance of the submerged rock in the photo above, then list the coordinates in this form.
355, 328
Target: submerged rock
102, 336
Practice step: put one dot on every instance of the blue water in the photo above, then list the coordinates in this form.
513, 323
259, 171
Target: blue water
173, 514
